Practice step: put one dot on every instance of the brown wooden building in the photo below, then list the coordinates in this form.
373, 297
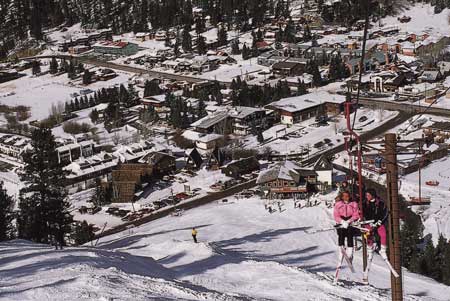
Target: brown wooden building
126, 178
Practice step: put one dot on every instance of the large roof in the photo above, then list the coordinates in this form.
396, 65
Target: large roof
210, 120
307, 101
286, 170
242, 112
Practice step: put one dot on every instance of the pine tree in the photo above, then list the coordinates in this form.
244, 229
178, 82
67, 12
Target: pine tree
53, 66
301, 88
71, 70
151, 88
36, 67
314, 70
94, 116
87, 77
222, 36
76, 105
428, 264
200, 25
446, 265
36, 19
186, 41
6, 215
440, 258
44, 215
235, 47
260, 137
100, 197
83, 233
289, 32
201, 45
245, 52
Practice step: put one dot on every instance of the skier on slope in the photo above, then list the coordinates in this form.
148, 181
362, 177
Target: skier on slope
345, 213
374, 209
194, 233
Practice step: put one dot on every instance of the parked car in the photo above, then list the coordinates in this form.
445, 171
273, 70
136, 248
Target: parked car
111, 210
318, 144
362, 119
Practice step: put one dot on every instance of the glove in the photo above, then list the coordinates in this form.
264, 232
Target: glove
375, 225
344, 224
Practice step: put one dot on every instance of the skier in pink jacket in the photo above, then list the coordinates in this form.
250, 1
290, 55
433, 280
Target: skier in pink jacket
345, 213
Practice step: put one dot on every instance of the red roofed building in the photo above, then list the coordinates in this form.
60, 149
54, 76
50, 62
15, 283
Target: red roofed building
116, 48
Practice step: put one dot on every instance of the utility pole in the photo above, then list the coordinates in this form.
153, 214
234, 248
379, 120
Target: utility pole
394, 221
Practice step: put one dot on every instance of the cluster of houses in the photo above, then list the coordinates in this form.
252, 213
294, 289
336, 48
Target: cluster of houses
13, 145
85, 39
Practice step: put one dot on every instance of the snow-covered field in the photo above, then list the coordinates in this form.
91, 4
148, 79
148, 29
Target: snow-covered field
244, 253
41, 92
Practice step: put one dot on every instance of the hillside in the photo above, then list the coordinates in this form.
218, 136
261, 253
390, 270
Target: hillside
244, 254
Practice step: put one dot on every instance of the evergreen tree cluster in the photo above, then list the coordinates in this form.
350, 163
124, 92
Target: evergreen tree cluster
6, 215
288, 33
257, 96
431, 261
439, 5
127, 97
348, 12
151, 88
181, 113
337, 69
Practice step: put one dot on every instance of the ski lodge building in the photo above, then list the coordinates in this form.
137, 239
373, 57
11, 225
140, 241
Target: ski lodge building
296, 109
288, 179
116, 48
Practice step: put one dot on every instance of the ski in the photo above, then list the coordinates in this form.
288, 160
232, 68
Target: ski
338, 269
348, 260
360, 228
313, 231
393, 271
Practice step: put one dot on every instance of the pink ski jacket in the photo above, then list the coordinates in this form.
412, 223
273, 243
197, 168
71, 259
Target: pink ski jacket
346, 211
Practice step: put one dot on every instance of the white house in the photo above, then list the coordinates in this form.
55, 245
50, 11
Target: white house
324, 169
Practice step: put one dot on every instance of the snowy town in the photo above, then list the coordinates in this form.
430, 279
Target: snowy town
222, 150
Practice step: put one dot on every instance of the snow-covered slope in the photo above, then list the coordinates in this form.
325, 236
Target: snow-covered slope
436, 217
243, 253
37, 272
423, 20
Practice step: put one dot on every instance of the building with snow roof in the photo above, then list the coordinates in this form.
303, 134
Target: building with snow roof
84, 172
116, 48
299, 108
14, 145
73, 151
244, 119
286, 179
